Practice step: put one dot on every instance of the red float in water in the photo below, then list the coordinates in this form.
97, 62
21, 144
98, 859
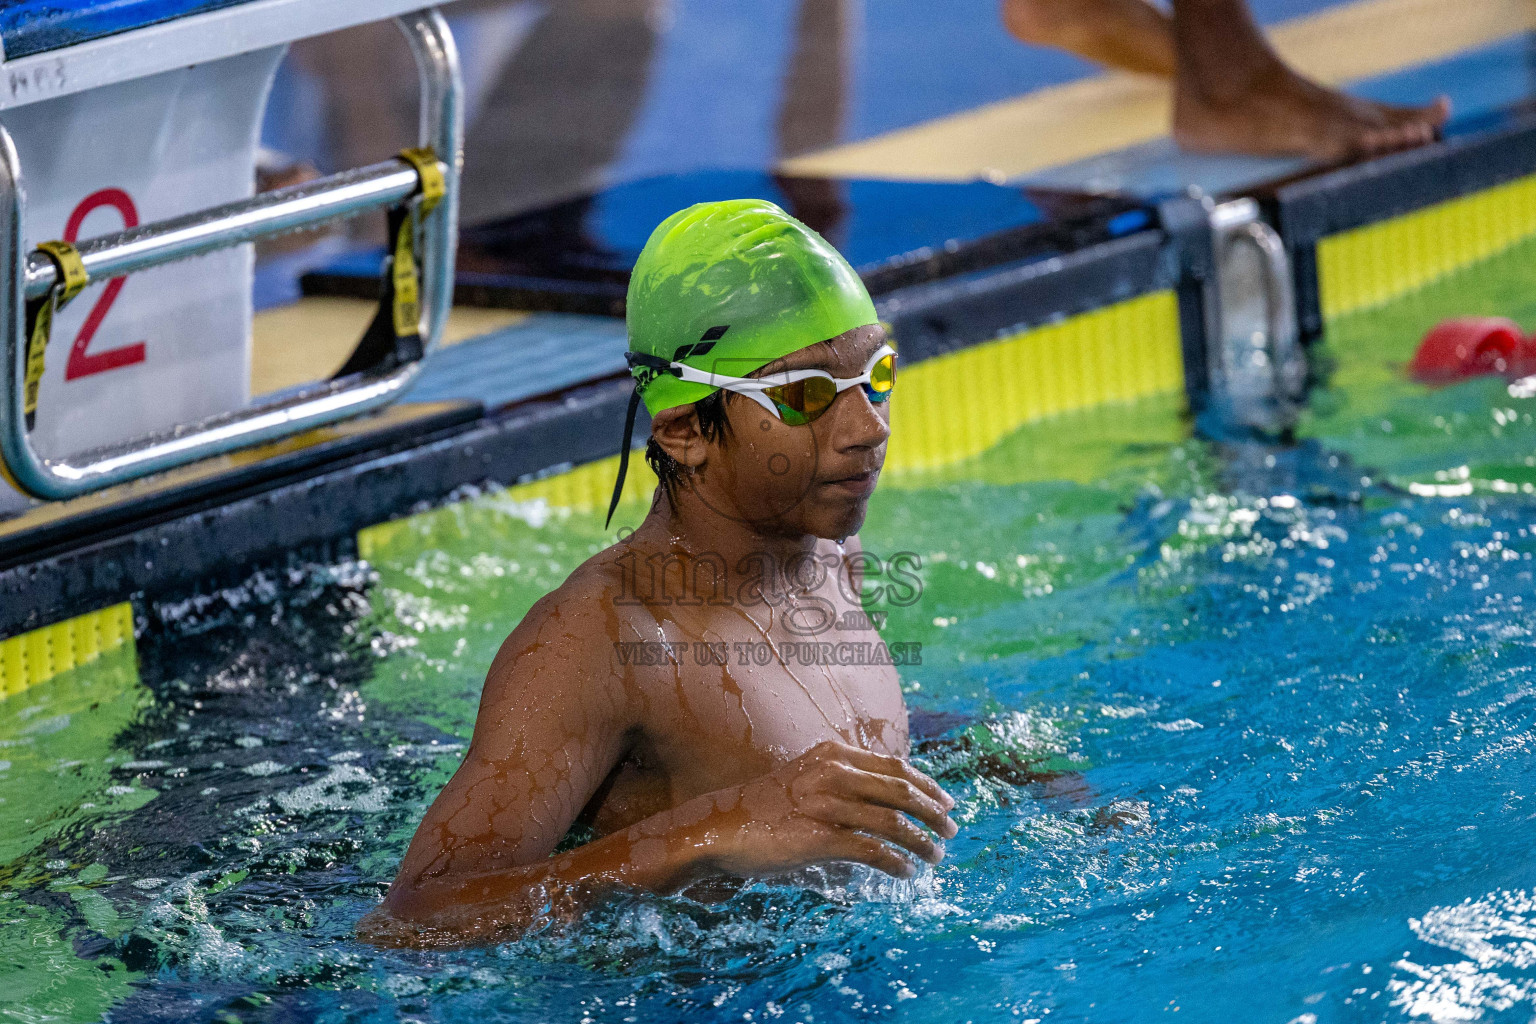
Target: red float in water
1472, 346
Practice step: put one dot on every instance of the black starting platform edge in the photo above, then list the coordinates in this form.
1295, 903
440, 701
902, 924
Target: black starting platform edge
1309, 209
192, 537
575, 256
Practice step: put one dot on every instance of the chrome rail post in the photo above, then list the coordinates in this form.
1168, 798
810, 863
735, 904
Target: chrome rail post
1255, 364
1286, 359
22, 465
442, 125
442, 128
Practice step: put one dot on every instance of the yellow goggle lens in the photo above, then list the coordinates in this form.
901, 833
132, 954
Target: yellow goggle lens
803, 400
882, 376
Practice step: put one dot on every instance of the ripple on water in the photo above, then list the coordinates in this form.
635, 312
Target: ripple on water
1228, 748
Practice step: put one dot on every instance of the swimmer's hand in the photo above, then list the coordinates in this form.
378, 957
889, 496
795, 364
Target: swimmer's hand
834, 802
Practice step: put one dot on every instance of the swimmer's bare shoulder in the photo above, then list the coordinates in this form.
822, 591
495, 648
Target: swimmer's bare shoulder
557, 713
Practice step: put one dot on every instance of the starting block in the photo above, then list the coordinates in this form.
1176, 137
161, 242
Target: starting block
575, 256
128, 139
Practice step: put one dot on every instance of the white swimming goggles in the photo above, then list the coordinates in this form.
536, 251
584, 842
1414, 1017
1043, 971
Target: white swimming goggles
795, 396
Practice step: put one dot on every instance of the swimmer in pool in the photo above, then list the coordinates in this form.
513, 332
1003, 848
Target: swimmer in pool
674, 695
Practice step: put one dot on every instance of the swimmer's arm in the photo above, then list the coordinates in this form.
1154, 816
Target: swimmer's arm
833, 803
556, 716
656, 855
558, 713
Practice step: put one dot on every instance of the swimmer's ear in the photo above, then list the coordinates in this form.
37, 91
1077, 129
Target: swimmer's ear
677, 432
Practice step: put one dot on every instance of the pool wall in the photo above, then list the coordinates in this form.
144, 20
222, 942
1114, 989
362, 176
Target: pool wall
39, 655
1363, 235
1112, 322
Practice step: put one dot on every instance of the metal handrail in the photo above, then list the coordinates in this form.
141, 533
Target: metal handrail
1281, 317
1234, 223
347, 194
342, 195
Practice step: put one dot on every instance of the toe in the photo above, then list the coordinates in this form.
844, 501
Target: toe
1431, 116
1409, 135
1438, 111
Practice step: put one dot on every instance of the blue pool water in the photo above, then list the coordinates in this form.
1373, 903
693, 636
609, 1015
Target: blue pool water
1237, 729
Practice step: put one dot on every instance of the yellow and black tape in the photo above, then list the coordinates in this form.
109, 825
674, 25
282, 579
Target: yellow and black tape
406, 280
70, 281
394, 336
433, 184
403, 269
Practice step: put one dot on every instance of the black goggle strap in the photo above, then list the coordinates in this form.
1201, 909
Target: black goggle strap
629, 436
660, 365
635, 360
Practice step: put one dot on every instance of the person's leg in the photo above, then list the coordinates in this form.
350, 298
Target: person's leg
558, 113
1131, 35
813, 112
1233, 94
814, 106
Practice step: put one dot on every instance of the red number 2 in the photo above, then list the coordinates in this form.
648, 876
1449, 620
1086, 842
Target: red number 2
82, 363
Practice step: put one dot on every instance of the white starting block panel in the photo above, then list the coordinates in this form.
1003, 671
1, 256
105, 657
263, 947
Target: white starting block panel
170, 345
126, 112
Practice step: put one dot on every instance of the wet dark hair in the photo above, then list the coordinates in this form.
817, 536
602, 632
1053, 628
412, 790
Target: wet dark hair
712, 425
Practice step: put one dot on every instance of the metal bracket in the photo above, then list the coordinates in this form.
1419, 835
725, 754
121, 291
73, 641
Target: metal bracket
348, 194
1255, 366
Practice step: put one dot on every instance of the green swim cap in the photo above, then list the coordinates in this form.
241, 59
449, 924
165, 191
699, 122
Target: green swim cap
727, 288
731, 286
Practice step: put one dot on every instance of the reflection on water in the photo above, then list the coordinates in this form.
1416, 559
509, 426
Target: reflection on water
1231, 726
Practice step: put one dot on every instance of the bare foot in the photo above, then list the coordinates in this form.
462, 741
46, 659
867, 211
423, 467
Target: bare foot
1131, 35
1279, 113
1233, 94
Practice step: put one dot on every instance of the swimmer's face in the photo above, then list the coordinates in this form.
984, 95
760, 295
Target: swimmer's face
814, 478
